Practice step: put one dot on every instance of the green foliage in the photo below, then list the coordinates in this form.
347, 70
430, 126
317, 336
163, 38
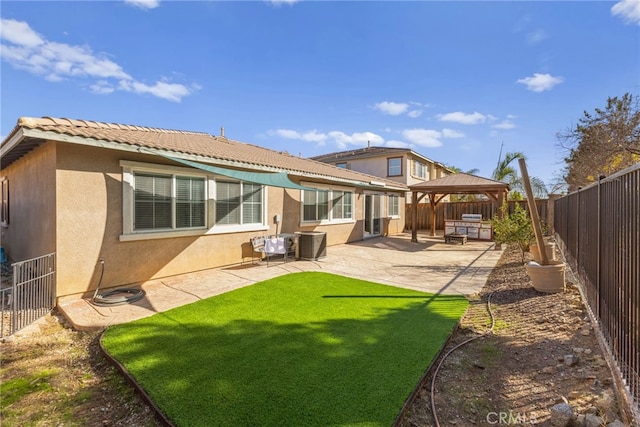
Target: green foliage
302, 349
602, 142
514, 229
506, 173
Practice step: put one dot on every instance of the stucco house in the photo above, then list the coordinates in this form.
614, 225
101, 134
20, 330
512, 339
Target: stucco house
155, 202
402, 165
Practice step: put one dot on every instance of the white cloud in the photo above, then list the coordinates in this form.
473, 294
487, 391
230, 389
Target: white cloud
310, 136
19, 33
169, 91
541, 82
397, 144
391, 108
102, 87
423, 137
281, 2
463, 118
628, 10
536, 37
27, 50
144, 4
342, 140
452, 133
505, 124
398, 108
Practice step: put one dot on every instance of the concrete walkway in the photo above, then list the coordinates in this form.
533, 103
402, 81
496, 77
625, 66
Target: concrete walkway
429, 265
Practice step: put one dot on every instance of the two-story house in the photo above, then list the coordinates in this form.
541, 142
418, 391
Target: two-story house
402, 165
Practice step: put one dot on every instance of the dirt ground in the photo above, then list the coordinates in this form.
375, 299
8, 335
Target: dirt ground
516, 373
511, 376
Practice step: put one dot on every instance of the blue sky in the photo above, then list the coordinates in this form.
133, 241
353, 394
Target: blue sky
454, 81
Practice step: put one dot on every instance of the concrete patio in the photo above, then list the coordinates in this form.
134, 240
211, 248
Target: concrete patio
430, 265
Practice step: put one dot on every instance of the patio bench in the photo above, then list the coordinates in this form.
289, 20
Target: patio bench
455, 238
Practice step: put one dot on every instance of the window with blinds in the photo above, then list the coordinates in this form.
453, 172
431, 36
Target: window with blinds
164, 202
342, 205
238, 203
326, 205
315, 205
393, 205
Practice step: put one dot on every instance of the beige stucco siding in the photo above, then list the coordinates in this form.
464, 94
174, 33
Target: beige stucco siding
90, 224
32, 199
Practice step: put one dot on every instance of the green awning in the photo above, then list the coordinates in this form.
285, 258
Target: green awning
272, 179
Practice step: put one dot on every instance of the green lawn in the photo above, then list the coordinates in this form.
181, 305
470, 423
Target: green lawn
303, 349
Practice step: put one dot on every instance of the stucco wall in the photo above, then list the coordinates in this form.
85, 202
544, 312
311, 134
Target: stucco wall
89, 223
32, 200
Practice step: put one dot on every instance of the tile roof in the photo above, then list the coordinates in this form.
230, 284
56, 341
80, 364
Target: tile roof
192, 143
360, 153
368, 152
460, 182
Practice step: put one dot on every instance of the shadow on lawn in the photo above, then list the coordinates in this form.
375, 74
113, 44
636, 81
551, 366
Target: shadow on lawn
291, 372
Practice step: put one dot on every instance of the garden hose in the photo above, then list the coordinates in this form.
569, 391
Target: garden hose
116, 296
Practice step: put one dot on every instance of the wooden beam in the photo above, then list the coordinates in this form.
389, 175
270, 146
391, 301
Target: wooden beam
533, 211
414, 214
433, 203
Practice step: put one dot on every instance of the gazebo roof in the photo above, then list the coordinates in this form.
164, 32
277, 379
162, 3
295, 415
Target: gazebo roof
460, 183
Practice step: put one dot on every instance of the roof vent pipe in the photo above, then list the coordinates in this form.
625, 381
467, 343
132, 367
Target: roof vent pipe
222, 131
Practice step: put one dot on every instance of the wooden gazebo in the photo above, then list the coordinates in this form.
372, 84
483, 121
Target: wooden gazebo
459, 183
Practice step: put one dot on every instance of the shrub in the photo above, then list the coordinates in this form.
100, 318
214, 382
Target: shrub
513, 229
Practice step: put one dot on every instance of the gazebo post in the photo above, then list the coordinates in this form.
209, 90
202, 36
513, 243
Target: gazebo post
414, 214
432, 201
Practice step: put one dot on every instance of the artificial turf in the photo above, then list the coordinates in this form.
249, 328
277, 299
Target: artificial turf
304, 349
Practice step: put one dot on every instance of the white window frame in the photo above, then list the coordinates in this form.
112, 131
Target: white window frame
391, 197
400, 165
419, 169
330, 219
129, 168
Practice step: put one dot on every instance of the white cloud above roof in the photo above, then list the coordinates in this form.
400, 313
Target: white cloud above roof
144, 4
541, 82
392, 108
452, 133
25, 49
423, 137
536, 36
310, 136
628, 10
463, 118
505, 124
342, 140
411, 109
397, 144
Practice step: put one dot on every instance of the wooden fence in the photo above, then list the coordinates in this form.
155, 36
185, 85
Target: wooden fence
455, 210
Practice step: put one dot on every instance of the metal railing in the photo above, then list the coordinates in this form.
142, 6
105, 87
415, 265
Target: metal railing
598, 231
32, 293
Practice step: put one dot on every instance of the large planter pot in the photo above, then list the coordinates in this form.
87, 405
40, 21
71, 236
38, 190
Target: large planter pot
546, 278
550, 249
